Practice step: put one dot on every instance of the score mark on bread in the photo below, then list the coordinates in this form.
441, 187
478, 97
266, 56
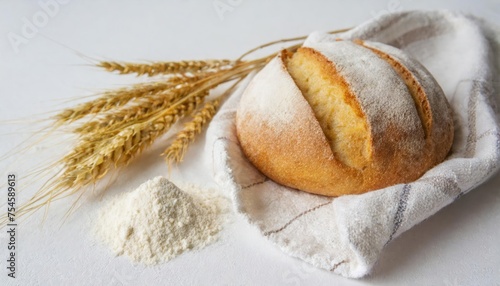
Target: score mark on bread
344, 118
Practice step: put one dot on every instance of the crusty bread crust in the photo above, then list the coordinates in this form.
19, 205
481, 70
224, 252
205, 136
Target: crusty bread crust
409, 119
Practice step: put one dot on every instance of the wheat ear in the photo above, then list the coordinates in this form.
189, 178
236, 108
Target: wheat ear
179, 146
136, 111
110, 100
157, 68
177, 149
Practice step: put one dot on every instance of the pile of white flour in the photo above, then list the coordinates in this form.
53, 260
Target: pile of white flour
158, 221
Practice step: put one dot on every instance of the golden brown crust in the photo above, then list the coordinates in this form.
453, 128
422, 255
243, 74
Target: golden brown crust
280, 134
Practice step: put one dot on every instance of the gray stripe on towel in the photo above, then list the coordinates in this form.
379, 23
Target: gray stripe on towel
267, 233
398, 217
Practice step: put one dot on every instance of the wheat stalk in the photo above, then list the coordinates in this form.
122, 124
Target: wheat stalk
140, 109
112, 151
157, 68
116, 98
109, 100
179, 146
95, 142
177, 149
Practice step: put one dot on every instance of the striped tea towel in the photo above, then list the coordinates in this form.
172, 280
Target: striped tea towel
347, 234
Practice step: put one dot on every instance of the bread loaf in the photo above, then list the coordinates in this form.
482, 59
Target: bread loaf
344, 118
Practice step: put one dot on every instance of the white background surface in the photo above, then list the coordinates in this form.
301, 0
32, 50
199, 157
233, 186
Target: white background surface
457, 246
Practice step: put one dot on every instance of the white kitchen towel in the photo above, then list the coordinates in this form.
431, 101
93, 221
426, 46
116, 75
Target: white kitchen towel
346, 234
